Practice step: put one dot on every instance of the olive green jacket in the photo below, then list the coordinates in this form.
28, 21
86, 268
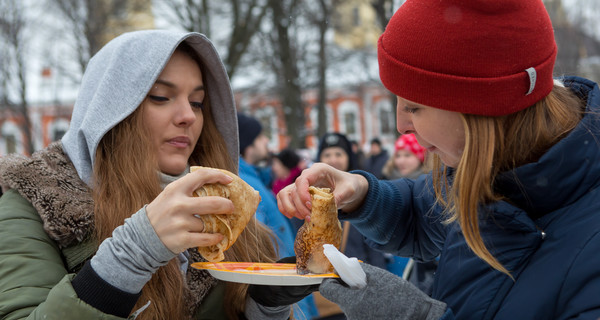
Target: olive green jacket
46, 219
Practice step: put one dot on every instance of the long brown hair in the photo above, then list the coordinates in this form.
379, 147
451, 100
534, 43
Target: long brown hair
126, 178
497, 144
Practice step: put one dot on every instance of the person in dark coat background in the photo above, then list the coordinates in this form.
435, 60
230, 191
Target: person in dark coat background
378, 156
359, 155
336, 150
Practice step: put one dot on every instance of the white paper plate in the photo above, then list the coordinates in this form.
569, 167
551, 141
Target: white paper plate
281, 274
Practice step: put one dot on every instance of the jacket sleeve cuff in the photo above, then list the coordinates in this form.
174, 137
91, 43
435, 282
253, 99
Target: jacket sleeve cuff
101, 295
370, 197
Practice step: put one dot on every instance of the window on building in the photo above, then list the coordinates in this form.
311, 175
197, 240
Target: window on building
388, 119
314, 118
58, 134
11, 143
350, 123
349, 119
57, 129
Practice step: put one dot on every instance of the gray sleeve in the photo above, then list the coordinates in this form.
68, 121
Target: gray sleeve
128, 259
255, 311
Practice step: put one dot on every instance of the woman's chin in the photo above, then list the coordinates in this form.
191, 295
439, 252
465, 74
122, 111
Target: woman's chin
449, 162
173, 169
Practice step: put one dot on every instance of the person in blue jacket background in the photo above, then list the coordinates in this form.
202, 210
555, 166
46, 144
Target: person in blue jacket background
512, 205
253, 149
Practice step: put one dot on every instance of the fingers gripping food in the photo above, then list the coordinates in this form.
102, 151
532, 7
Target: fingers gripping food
245, 201
323, 228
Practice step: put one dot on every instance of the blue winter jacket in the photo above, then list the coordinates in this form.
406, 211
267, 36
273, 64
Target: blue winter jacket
267, 211
548, 236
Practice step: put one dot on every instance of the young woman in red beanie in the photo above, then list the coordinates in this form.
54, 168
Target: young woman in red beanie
511, 206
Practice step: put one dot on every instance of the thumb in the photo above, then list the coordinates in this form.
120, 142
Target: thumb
332, 289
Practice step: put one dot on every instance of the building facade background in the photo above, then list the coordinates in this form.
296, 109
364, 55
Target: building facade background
362, 110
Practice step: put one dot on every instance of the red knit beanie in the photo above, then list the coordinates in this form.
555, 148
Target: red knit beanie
409, 142
485, 57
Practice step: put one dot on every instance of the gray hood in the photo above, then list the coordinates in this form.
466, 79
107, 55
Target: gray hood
117, 80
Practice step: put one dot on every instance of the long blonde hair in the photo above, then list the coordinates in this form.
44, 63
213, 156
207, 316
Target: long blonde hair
126, 178
497, 144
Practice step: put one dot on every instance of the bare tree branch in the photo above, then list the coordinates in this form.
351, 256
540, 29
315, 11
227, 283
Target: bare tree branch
12, 25
92, 21
245, 24
322, 87
244, 18
384, 9
289, 79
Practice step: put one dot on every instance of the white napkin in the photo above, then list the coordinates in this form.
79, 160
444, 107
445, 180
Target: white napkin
348, 269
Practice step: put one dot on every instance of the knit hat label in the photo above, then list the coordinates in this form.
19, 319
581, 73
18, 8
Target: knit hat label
532, 77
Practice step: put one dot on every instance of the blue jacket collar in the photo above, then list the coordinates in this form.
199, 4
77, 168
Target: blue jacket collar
568, 170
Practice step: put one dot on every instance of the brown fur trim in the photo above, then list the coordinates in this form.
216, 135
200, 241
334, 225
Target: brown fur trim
198, 281
49, 181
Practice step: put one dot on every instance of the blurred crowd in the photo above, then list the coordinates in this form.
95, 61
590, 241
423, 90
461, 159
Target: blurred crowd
269, 171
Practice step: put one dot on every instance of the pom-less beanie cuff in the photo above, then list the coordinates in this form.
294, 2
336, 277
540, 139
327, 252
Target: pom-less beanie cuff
482, 96
485, 58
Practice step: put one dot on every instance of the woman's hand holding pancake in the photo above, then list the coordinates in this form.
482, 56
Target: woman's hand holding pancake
349, 190
173, 213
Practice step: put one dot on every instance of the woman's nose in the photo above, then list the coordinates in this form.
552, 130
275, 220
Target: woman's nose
403, 121
185, 113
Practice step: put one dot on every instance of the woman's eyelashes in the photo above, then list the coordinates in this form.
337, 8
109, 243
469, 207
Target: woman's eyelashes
408, 109
158, 98
161, 99
197, 105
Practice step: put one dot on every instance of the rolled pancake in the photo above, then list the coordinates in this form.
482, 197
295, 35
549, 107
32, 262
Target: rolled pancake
323, 228
245, 202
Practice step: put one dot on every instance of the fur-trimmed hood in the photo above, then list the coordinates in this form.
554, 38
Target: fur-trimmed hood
49, 181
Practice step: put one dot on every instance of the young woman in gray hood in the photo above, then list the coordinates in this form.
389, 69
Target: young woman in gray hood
100, 223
